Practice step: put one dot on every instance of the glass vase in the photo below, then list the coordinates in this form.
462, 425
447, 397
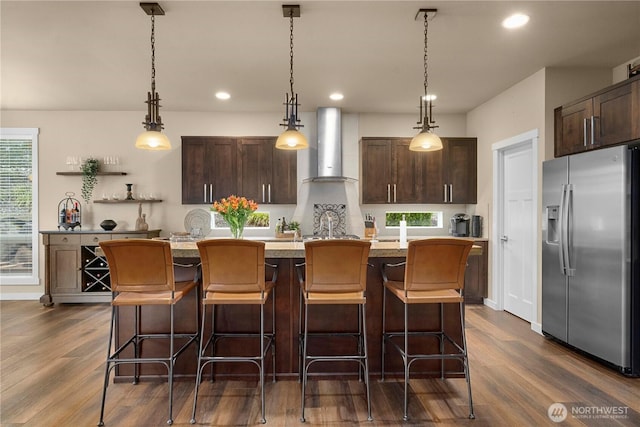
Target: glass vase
236, 230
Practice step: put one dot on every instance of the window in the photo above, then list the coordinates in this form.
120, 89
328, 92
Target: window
19, 206
414, 219
256, 220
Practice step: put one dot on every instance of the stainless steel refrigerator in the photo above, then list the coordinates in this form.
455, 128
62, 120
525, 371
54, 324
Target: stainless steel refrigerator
590, 254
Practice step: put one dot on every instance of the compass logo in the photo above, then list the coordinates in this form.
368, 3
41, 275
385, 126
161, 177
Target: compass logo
557, 412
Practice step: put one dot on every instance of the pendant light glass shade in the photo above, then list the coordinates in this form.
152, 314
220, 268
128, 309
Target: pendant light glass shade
426, 141
153, 140
292, 139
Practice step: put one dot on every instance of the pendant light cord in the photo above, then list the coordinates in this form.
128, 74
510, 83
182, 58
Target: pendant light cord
153, 52
291, 50
426, 40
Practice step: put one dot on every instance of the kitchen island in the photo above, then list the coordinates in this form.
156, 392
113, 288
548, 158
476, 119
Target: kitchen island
244, 318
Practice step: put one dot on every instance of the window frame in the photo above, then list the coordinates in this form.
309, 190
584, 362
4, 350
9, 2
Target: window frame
27, 134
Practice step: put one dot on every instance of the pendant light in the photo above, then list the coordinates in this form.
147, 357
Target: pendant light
426, 140
291, 139
153, 138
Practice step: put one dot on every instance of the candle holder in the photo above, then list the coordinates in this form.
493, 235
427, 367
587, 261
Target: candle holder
129, 192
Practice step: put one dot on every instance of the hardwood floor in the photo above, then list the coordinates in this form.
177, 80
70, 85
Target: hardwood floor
52, 365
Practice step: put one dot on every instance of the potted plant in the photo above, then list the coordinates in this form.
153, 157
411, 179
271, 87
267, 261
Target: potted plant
89, 180
295, 226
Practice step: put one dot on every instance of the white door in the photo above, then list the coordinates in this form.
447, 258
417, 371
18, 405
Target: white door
516, 201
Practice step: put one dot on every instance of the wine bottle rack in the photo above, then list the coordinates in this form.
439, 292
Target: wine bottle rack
95, 271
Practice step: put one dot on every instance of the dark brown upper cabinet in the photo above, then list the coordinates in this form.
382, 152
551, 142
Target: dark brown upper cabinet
216, 167
266, 174
209, 169
391, 173
608, 117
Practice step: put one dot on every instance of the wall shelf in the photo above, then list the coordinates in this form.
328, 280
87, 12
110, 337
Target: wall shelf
80, 173
128, 201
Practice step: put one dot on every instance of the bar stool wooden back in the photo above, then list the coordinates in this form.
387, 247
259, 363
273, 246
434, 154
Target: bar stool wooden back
335, 273
433, 274
142, 275
233, 273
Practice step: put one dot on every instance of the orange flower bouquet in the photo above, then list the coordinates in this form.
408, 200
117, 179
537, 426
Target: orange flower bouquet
236, 211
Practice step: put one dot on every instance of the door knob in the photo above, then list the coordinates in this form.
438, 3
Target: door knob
504, 238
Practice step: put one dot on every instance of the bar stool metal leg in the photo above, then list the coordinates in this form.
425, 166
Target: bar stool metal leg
384, 335
108, 366
200, 366
465, 362
407, 363
366, 360
303, 366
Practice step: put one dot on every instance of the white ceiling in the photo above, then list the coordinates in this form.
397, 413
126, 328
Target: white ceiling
90, 55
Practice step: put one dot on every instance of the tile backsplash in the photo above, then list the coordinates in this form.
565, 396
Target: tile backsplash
338, 213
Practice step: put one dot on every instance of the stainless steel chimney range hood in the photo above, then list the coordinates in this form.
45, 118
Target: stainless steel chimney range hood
329, 123
329, 190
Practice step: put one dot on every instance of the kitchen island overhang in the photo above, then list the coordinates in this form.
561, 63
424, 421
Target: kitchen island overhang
330, 318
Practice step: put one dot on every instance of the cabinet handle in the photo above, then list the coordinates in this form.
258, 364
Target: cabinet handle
95, 239
584, 137
269, 192
204, 194
445, 193
262, 193
388, 193
64, 239
451, 193
395, 200
593, 129
210, 193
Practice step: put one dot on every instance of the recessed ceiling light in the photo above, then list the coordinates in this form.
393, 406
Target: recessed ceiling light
223, 95
336, 96
516, 20
430, 97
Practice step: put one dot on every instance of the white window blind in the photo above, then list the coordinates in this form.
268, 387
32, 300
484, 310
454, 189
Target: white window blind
18, 207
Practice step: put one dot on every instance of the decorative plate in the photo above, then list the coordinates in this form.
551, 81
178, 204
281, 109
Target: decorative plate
198, 219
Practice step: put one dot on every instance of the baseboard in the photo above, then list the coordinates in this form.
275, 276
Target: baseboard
536, 327
491, 304
20, 296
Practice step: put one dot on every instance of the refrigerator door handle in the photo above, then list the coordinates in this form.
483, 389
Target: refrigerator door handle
568, 228
561, 228
563, 192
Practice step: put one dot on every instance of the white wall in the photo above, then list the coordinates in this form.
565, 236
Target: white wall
401, 125
526, 106
517, 110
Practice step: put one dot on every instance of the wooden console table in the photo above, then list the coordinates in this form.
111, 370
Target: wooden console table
73, 271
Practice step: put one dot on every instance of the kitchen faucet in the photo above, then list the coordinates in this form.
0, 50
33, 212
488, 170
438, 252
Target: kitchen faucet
329, 224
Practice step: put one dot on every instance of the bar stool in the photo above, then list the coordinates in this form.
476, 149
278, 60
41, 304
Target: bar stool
434, 274
335, 273
233, 272
142, 274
